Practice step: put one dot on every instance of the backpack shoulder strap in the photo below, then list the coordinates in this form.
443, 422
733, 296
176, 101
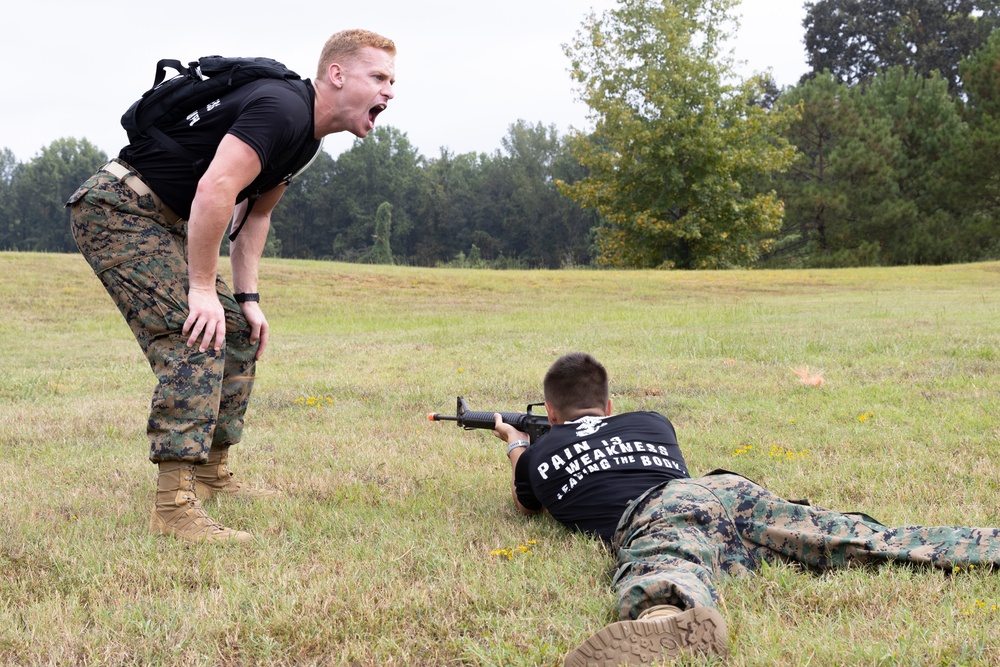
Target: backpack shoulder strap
174, 147
246, 214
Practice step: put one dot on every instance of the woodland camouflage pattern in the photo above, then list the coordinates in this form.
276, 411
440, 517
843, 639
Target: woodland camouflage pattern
140, 255
679, 537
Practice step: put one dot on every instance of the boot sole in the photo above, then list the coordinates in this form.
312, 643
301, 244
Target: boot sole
158, 525
697, 630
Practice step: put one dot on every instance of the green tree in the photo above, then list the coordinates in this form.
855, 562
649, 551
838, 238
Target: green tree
876, 177
975, 172
450, 209
814, 192
678, 142
302, 220
914, 125
556, 229
329, 212
381, 250
37, 219
527, 218
383, 167
8, 170
854, 39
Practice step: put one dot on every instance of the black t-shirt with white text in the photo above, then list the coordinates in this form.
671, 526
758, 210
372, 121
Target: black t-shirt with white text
268, 115
586, 472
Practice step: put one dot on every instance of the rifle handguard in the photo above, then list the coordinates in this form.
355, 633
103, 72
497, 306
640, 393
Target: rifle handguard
535, 425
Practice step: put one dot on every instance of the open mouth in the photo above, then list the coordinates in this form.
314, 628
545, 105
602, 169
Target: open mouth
374, 112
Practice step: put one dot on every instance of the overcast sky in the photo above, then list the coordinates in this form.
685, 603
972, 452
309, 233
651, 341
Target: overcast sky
465, 70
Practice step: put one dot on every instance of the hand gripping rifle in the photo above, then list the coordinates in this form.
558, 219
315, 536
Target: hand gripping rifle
535, 425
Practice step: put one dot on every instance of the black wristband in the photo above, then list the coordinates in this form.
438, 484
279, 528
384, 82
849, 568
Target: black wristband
243, 297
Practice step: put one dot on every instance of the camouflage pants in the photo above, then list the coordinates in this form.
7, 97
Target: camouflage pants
679, 537
138, 249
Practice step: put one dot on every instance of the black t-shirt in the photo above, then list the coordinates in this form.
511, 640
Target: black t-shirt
586, 472
269, 115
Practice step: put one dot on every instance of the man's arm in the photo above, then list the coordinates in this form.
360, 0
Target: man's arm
244, 256
509, 434
234, 166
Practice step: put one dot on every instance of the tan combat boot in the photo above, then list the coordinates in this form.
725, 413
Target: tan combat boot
663, 631
177, 510
215, 479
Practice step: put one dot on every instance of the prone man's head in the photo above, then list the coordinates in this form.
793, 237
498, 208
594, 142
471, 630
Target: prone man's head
576, 384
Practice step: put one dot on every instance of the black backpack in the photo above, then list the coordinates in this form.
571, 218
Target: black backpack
200, 83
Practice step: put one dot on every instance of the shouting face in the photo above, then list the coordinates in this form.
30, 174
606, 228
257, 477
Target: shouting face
366, 81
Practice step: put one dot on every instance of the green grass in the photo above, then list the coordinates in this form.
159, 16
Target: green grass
380, 550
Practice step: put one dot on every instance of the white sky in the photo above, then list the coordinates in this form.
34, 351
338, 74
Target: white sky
465, 70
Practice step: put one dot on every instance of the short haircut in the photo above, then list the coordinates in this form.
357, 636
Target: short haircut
347, 43
576, 381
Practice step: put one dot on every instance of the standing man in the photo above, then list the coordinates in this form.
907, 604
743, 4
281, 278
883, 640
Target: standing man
151, 222
623, 478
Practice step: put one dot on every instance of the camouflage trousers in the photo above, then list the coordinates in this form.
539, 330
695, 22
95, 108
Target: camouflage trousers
678, 538
138, 249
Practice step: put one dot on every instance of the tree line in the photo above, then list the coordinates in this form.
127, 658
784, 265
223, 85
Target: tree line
897, 135
886, 152
379, 201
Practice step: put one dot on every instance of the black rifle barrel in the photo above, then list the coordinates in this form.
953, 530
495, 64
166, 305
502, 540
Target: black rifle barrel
481, 419
535, 425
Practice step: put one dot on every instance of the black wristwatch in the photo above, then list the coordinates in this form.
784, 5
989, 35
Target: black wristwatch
243, 297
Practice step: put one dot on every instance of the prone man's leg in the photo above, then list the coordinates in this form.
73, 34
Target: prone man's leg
823, 538
673, 542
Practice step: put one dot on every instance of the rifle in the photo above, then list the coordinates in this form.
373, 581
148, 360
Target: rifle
535, 425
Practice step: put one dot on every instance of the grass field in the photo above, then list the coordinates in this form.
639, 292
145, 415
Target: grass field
395, 541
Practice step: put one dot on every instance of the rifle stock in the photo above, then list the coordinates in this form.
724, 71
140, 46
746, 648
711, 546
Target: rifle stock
535, 425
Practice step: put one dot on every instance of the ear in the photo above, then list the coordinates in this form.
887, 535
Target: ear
551, 412
607, 410
335, 75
